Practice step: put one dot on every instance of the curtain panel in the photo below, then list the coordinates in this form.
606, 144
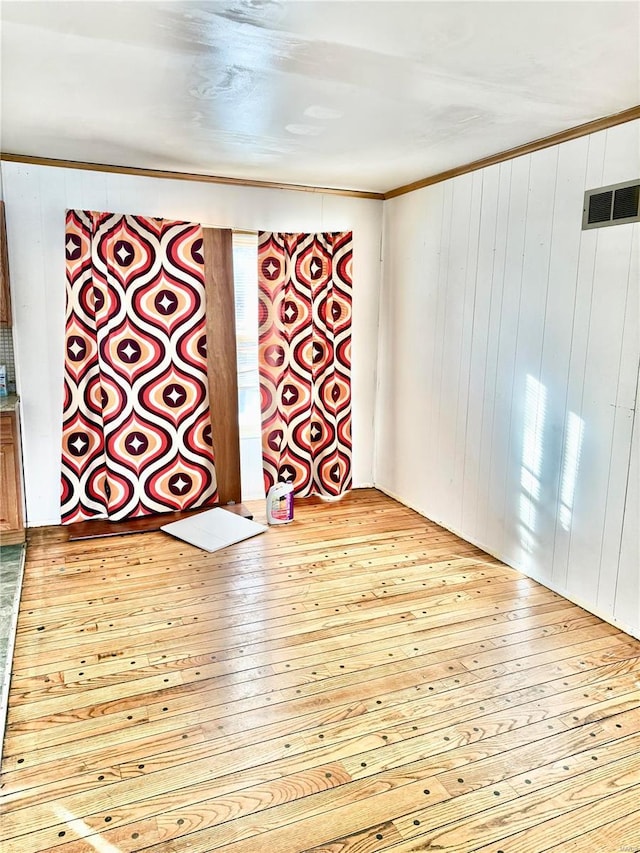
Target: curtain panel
305, 285
136, 424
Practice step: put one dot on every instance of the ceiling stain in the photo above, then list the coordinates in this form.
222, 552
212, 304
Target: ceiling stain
361, 95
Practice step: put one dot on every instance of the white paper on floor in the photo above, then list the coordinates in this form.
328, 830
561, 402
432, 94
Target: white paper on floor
214, 529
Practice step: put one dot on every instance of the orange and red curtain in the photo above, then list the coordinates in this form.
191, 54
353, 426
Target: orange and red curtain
136, 424
304, 283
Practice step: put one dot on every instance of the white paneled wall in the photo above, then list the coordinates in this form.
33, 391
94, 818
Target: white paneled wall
508, 367
507, 349
36, 198
627, 590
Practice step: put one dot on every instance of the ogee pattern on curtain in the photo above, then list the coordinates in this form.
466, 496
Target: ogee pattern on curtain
136, 423
305, 284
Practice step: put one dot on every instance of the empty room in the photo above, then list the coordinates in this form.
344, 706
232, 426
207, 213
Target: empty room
319, 369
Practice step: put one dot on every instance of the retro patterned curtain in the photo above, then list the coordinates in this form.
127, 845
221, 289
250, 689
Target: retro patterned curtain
304, 285
136, 425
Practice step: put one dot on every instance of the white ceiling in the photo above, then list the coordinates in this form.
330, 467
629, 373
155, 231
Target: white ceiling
364, 95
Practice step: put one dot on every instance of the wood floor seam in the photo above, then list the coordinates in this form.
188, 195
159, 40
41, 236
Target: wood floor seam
359, 681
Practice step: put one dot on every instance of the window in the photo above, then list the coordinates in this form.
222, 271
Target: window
245, 274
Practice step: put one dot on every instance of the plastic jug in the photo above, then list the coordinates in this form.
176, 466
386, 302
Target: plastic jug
280, 503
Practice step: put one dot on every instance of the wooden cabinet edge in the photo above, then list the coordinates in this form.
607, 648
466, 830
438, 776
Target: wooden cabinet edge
14, 533
5, 297
13, 537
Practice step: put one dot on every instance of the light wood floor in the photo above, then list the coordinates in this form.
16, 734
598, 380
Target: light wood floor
360, 681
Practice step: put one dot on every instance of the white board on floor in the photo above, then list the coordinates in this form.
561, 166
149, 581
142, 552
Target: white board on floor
214, 529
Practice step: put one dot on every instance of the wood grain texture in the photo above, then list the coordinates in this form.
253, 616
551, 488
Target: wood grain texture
5, 292
11, 515
357, 681
222, 368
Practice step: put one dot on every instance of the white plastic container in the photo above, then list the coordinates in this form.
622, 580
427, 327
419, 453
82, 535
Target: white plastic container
280, 503
3, 380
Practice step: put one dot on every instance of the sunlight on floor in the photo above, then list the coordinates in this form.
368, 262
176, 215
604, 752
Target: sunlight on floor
84, 831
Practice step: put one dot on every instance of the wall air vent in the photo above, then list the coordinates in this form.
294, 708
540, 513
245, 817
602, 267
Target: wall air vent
614, 205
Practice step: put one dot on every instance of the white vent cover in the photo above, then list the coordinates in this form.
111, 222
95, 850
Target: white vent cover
613, 205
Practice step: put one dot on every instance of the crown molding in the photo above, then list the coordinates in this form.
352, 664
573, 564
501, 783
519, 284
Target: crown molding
546, 142
182, 176
512, 153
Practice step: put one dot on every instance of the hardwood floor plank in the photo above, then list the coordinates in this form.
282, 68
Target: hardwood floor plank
363, 656
619, 830
369, 840
300, 691
519, 814
517, 688
281, 828
578, 820
389, 631
570, 751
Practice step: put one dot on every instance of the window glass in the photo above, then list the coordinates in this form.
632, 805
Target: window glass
245, 274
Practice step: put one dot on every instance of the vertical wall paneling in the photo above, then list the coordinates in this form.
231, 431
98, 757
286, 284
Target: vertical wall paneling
462, 392
526, 510
623, 409
574, 458
479, 342
444, 402
429, 319
627, 587
598, 499
443, 260
515, 229
531, 383
490, 387
622, 147
565, 432
507, 494
36, 198
594, 493
416, 224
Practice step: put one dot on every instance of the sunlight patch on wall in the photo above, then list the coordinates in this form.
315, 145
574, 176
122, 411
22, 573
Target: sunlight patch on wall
570, 467
535, 413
